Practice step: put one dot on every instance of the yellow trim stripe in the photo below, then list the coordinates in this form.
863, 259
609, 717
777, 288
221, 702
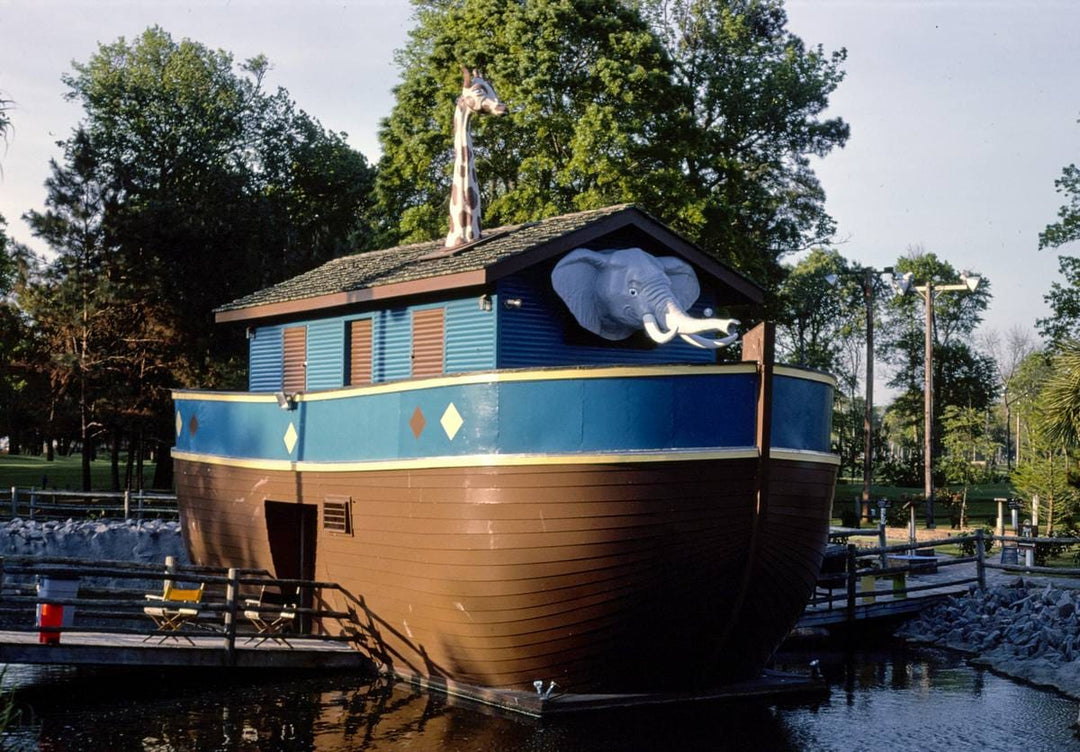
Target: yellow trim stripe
470, 460
502, 460
806, 375
805, 455
504, 377
485, 377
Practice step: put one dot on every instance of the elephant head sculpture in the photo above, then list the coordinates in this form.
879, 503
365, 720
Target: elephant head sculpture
615, 293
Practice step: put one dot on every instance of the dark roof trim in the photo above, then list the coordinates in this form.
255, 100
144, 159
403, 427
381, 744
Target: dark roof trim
633, 216
351, 297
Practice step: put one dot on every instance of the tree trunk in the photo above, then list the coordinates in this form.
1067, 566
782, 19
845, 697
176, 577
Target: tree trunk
139, 461
114, 459
129, 466
87, 451
163, 468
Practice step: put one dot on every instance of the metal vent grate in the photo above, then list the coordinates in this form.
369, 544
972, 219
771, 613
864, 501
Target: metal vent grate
337, 514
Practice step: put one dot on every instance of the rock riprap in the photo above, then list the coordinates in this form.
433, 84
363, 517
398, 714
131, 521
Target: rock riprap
143, 541
1027, 632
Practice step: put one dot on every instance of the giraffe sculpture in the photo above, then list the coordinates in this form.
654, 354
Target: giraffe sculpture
477, 96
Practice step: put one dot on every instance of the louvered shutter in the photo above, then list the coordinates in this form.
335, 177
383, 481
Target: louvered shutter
294, 341
427, 353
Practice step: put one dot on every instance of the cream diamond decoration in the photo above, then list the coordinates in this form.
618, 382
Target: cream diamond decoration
179, 424
451, 421
290, 437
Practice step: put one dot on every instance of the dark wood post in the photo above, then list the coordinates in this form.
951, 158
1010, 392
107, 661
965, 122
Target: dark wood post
980, 558
852, 566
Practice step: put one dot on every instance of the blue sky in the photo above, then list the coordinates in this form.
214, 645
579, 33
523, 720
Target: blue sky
962, 112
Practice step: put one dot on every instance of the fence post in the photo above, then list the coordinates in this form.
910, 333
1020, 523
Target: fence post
33, 499
852, 566
14, 502
980, 558
127, 503
231, 593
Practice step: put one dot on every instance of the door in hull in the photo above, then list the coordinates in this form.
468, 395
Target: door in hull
291, 533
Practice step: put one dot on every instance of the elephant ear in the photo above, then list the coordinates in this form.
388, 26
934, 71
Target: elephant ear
574, 279
683, 280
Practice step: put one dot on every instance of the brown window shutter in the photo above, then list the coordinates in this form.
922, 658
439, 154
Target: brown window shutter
359, 352
427, 354
295, 349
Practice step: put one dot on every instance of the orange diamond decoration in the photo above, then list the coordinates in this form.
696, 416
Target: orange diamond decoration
193, 425
417, 423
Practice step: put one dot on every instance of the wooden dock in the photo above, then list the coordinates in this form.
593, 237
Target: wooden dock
108, 613
892, 582
85, 648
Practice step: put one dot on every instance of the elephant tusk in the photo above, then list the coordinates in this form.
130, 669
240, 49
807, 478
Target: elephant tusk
655, 333
706, 343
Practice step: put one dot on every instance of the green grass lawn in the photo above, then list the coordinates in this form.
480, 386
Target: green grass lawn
63, 473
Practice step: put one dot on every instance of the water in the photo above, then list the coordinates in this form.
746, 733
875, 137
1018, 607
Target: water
898, 699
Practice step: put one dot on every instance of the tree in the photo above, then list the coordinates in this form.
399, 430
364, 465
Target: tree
821, 326
217, 189
704, 113
1008, 355
73, 304
754, 95
1064, 299
588, 86
962, 376
965, 440
1052, 437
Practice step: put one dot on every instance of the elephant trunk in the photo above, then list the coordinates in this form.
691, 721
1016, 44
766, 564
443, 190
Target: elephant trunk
677, 321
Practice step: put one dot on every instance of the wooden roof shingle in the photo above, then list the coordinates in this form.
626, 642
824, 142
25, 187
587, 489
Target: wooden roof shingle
426, 267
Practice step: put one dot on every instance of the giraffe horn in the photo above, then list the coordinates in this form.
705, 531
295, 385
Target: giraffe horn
466, 79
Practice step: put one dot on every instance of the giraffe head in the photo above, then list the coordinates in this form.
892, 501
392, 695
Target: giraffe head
478, 95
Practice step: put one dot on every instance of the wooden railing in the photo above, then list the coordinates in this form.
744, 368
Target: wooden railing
102, 606
51, 504
867, 565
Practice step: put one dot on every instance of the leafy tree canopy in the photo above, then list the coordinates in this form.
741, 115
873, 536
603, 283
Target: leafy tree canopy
219, 187
705, 113
1064, 298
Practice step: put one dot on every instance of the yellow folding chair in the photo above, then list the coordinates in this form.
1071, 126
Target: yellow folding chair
178, 606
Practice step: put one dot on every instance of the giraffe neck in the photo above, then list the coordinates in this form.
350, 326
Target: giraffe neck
464, 191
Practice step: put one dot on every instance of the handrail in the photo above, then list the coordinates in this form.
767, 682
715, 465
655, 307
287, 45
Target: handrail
855, 556
131, 503
123, 613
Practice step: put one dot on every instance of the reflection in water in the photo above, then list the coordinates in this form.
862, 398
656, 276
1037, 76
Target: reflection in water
901, 700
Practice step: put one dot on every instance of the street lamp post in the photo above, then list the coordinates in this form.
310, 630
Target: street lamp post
929, 291
867, 277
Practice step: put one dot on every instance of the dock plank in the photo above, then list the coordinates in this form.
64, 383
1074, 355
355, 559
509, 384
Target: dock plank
85, 648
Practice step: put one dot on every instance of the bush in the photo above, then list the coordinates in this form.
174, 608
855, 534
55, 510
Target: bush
967, 546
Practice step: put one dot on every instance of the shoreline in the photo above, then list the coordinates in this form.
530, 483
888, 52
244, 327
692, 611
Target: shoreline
1025, 631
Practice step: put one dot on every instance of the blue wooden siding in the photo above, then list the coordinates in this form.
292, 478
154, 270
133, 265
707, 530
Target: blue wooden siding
326, 354
470, 336
469, 346
266, 369
536, 333
612, 414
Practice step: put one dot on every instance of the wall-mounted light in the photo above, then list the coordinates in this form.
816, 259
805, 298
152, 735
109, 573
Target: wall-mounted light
484, 303
249, 332
285, 401
511, 302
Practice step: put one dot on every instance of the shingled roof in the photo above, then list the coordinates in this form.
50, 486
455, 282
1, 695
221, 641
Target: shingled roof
428, 267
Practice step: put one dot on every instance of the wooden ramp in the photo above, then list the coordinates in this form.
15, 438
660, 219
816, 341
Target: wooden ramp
85, 648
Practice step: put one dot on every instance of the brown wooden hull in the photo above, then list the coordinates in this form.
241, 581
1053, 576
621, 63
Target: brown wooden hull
602, 577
